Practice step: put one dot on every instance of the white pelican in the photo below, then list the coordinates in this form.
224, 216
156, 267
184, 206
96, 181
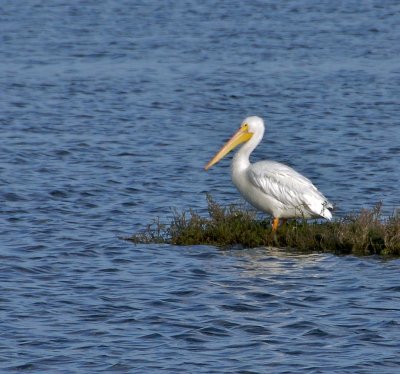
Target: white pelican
270, 186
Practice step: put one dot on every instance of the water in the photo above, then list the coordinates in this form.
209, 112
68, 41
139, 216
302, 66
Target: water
108, 113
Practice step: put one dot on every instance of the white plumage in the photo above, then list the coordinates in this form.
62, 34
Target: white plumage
270, 186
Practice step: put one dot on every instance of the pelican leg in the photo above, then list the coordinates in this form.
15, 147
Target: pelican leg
275, 224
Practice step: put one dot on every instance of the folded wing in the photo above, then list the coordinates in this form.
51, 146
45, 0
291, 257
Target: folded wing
289, 187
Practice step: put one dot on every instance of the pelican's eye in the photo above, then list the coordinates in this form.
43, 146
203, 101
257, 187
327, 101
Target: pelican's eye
245, 127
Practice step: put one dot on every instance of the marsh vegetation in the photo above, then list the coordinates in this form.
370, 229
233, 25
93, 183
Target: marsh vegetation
364, 233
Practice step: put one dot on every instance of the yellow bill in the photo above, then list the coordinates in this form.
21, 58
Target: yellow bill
241, 136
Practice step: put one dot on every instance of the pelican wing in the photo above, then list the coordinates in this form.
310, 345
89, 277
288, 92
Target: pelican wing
288, 187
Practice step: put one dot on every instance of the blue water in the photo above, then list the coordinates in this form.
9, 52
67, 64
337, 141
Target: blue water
109, 111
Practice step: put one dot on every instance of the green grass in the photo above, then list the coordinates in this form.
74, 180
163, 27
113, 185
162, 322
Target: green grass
364, 233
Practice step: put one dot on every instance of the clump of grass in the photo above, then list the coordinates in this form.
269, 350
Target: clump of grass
365, 233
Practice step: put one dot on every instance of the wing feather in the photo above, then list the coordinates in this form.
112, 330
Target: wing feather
287, 186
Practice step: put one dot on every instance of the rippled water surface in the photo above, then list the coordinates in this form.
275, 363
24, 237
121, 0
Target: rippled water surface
109, 111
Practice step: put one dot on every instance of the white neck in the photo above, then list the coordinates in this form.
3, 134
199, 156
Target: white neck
241, 160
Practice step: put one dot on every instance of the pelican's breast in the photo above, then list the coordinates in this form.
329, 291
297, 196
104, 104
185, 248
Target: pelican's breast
256, 196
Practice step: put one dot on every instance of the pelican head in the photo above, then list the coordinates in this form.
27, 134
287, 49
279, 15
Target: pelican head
250, 126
